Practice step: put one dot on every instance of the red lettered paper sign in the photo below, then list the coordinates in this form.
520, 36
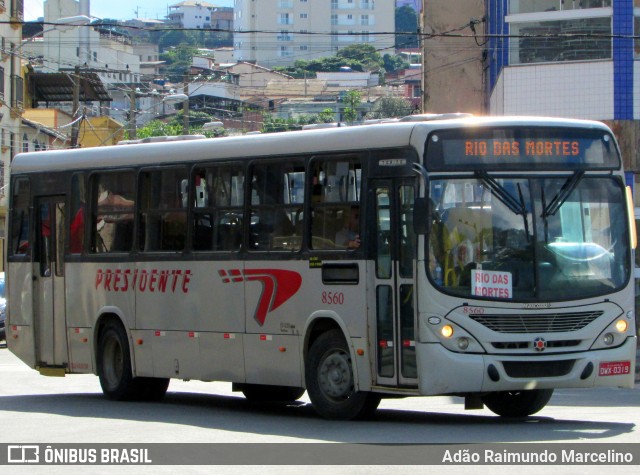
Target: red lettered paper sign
490, 283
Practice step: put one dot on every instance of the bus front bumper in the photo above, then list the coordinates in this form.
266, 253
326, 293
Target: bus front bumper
446, 372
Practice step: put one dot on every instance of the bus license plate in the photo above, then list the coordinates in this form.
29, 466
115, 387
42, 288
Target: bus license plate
614, 368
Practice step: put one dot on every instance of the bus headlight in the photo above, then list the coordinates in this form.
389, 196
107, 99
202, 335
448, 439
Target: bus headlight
463, 343
615, 334
449, 334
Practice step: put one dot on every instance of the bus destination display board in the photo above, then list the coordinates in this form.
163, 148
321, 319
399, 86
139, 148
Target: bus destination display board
521, 148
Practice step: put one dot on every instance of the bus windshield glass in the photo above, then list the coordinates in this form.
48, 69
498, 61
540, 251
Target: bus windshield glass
552, 238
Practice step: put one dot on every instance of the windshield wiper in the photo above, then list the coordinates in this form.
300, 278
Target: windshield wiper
563, 194
515, 206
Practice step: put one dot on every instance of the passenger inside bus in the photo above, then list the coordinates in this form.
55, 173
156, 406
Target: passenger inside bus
349, 236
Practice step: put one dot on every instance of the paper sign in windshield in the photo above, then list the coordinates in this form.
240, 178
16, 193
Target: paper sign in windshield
490, 283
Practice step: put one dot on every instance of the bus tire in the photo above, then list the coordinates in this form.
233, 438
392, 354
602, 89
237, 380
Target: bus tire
265, 393
330, 383
114, 369
152, 389
517, 403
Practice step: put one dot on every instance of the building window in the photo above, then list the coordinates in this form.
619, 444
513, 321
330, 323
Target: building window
334, 19
534, 6
566, 40
25, 143
283, 19
364, 20
18, 92
1, 82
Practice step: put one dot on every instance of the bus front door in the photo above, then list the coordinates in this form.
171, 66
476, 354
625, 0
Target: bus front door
394, 328
48, 285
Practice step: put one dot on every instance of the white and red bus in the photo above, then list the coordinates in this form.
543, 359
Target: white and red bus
488, 258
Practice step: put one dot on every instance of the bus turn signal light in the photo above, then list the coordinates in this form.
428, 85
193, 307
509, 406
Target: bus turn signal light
447, 331
621, 326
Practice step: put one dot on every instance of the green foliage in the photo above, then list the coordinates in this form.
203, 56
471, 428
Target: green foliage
175, 125
326, 116
352, 99
390, 107
157, 128
406, 21
358, 57
178, 61
394, 63
275, 124
363, 53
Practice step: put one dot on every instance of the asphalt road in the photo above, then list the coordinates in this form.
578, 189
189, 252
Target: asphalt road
37, 409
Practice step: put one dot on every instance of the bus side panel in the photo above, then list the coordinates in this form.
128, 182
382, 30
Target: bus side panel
189, 296
273, 359
176, 354
222, 357
20, 312
80, 349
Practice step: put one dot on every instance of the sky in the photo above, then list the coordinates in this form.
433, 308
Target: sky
119, 9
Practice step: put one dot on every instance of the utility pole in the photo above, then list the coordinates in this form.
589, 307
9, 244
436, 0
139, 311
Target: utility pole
185, 107
132, 114
75, 127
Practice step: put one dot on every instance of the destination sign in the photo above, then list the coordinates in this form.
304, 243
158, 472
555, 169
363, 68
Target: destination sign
521, 148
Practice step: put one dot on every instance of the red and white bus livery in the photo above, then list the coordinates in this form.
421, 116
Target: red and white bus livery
489, 258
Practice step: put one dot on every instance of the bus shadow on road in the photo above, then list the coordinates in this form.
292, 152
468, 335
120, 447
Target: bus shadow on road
298, 420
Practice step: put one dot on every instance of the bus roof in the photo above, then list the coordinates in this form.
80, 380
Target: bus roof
396, 134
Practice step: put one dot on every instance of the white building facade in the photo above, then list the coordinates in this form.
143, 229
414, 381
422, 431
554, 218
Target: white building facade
280, 32
11, 100
199, 15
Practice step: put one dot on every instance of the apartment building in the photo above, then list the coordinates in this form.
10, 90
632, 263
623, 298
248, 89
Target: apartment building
280, 32
568, 58
198, 14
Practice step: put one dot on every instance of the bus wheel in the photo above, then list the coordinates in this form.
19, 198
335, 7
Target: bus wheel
329, 378
265, 393
517, 403
151, 389
114, 363
114, 370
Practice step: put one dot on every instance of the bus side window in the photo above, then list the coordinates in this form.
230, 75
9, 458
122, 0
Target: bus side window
218, 208
163, 216
277, 198
112, 212
335, 202
78, 212
20, 224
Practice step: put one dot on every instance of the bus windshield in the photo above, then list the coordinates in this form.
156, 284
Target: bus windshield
523, 239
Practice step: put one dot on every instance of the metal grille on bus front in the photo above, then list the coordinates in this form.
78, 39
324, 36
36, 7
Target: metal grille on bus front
538, 322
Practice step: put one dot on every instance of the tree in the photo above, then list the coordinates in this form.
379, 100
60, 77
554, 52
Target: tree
352, 99
406, 21
178, 61
390, 107
394, 63
365, 54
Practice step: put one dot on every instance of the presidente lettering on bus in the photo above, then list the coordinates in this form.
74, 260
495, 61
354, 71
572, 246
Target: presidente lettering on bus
161, 281
528, 148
